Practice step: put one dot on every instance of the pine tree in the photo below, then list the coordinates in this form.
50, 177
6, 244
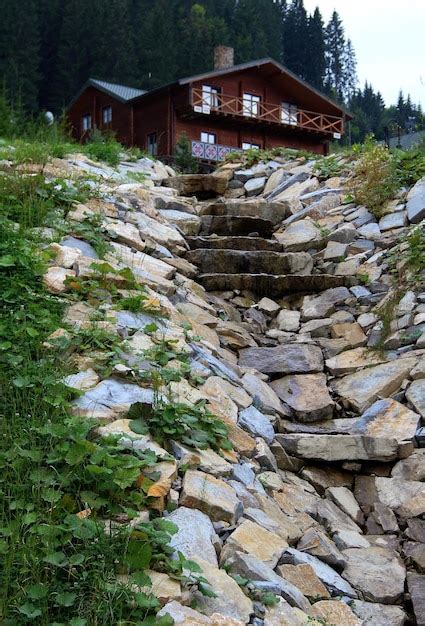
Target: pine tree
335, 52
315, 69
199, 34
156, 43
350, 71
295, 36
20, 52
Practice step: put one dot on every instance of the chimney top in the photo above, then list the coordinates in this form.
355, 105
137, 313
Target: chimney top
224, 57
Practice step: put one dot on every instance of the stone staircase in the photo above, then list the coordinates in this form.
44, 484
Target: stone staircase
235, 250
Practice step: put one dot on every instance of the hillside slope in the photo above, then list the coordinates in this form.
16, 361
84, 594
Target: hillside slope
246, 454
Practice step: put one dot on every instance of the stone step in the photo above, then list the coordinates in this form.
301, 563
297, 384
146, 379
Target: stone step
235, 225
251, 262
273, 286
233, 243
275, 212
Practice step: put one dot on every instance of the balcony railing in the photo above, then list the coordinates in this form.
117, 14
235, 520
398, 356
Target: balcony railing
211, 151
224, 104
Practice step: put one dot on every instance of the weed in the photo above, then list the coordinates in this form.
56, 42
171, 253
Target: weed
183, 158
193, 425
375, 178
327, 167
103, 147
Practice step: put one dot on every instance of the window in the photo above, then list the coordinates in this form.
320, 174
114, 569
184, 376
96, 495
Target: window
246, 145
152, 144
86, 122
210, 97
208, 137
107, 115
251, 105
289, 113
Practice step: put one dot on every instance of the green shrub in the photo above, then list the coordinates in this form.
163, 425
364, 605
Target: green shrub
375, 178
183, 158
410, 164
103, 147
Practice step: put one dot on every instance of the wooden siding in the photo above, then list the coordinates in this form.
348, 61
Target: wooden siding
91, 102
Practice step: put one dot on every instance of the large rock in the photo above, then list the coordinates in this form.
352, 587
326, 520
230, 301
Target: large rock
299, 236
256, 423
335, 612
249, 537
377, 572
111, 398
284, 359
416, 585
211, 495
307, 395
304, 578
200, 185
416, 202
195, 536
361, 389
264, 398
252, 568
339, 447
416, 396
229, 598
388, 419
352, 360
315, 307
374, 614
333, 581
405, 497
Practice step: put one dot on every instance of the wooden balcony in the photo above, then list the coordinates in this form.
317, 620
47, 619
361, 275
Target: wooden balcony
265, 112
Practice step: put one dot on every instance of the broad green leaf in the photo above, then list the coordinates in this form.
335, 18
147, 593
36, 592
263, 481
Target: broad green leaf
37, 591
66, 598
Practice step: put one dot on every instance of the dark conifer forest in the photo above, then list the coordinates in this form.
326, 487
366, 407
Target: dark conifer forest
49, 48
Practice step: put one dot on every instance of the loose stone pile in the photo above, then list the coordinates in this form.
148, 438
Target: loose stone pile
322, 499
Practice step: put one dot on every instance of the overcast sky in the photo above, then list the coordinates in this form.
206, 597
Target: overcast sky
389, 40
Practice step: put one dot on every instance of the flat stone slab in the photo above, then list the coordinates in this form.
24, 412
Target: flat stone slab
250, 262
307, 395
416, 586
230, 225
211, 495
317, 307
373, 613
110, 398
331, 579
300, 235
283, 359
273, 211
377, 572
352, 360
233, 243
338, 447
266, 284
195, 536
416, 202
260, 543
361, 389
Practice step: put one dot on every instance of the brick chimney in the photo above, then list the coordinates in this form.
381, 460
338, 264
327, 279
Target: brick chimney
224, 57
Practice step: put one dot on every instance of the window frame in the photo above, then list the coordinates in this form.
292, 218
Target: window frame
251, 104
289, 113
209, 135
152, 146
107, 109
249, 145
84, 126
211, 96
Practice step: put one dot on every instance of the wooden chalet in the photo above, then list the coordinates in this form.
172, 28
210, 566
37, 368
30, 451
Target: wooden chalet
259, 104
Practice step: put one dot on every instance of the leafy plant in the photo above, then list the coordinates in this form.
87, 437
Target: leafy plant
327, 167
193, 425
